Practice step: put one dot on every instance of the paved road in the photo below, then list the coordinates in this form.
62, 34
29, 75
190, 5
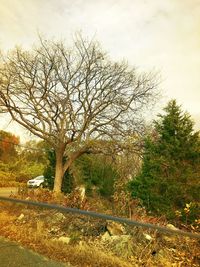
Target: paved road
13, 255
7, 191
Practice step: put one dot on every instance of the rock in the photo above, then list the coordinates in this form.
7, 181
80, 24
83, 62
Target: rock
121, 245
59, 217
147, 237
81, 192
54, 230
115, 228
170, 238
105, 236
21, 217
56, 218
121, 238
64, 239
115, 238
82, 243
171, 226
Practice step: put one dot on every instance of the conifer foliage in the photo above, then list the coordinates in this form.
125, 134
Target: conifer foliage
169, 176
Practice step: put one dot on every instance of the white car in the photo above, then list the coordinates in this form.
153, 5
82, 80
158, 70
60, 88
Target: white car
36, 182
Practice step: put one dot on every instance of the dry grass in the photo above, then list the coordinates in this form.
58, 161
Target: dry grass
33, 236
33, 233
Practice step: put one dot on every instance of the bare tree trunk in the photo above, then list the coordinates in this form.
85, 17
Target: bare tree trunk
59, 172
73, 157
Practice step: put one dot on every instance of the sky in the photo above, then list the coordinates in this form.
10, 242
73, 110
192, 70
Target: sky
156, 35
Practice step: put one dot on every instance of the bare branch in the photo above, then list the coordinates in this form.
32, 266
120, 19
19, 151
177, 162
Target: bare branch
70, 96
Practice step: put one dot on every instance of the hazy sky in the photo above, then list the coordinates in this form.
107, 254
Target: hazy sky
151, 34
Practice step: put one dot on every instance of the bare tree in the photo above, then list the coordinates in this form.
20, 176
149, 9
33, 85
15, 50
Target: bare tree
72, 96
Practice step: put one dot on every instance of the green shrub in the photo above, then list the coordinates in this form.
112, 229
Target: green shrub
98, 172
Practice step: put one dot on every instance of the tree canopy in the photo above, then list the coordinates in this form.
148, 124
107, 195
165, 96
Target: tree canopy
71, 96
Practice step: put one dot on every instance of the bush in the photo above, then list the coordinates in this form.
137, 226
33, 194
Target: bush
97, 172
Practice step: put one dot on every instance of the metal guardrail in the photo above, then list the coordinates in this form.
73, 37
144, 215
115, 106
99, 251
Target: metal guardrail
102, 216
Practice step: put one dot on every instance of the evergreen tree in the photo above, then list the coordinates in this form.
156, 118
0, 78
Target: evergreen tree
97, 171
169, 177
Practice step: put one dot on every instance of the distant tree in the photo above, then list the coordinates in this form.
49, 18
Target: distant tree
8, 146
72, 96
31, 161
34, 151
169, 177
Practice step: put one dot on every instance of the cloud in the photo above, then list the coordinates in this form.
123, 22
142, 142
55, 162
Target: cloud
149, 33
